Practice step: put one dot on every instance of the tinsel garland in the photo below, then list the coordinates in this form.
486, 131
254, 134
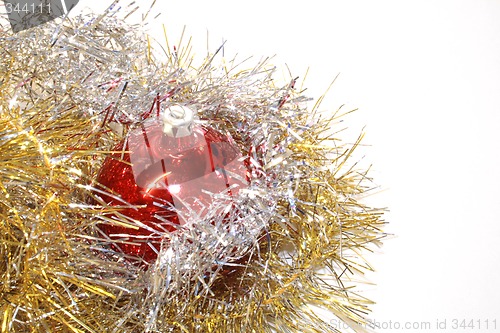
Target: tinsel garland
295, 239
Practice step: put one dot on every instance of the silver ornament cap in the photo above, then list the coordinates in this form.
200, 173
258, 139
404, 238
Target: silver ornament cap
178, 121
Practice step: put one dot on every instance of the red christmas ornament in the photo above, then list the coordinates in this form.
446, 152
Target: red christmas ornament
165, 174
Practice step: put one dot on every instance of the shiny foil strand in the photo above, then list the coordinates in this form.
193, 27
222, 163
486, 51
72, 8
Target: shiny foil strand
293, 245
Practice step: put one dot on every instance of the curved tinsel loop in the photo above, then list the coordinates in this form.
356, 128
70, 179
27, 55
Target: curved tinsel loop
290, 247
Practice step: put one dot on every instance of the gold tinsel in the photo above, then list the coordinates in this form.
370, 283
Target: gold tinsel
63, 87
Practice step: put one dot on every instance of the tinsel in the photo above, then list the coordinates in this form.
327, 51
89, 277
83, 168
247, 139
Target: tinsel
294, 243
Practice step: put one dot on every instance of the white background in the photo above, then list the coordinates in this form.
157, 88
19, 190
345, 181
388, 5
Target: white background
425, 76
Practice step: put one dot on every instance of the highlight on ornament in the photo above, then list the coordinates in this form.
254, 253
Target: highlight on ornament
141, 193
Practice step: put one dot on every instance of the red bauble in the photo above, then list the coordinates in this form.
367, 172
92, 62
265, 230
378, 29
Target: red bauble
158, 172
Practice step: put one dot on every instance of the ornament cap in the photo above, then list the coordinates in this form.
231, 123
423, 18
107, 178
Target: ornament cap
178, 121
